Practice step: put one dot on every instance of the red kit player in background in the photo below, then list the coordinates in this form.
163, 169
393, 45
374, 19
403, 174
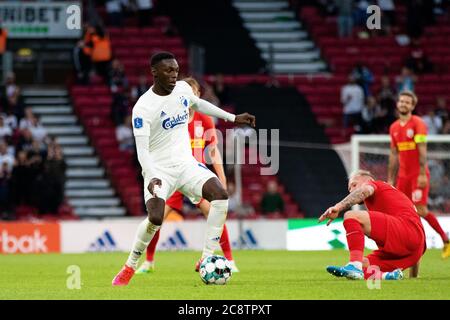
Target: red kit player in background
390, 220
409, 156
203, 134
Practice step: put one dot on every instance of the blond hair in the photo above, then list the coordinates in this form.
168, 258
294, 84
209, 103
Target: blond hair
410, 94
361, 172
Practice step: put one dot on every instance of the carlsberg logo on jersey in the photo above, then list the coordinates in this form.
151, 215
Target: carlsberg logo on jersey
170, 123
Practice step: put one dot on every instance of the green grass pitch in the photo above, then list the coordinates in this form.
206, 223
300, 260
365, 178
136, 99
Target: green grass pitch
270, 275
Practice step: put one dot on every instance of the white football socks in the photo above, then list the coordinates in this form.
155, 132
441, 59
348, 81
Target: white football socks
144, 235
356, 264
214, 226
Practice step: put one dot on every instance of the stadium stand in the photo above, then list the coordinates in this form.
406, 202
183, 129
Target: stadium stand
343, 54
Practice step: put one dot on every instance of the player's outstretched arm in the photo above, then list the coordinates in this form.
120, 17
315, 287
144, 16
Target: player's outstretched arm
355, 197
209, 109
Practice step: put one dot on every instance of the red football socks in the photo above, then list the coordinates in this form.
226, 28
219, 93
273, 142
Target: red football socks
434, 223
355, 239
225, 244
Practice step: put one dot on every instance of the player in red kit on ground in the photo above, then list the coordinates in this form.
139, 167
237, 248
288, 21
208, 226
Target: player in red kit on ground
391, 221
203, 135
409, 156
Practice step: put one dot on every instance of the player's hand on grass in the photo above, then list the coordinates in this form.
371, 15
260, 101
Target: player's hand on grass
331, 213
422, 180
151, 186
245, 118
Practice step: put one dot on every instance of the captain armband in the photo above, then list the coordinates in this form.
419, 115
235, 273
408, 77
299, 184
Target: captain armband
420, 138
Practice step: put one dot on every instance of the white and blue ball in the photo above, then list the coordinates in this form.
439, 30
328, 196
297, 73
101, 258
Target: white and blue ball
215, 270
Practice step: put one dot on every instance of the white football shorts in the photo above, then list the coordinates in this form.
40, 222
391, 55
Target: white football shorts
188, 178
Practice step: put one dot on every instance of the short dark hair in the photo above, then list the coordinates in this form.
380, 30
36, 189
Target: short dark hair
159, 56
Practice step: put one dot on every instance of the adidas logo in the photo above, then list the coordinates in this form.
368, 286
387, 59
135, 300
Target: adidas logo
104, 242
246, 240
176, 241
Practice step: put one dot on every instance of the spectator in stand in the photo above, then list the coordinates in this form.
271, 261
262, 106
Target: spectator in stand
418, 60
5, 131
406, 80
221, 90
140, 88
433, 122
386, 98
387, 10
5, 179
27, 121
101, 52
25, 140
272, 201
144, 8
5, 156
117, 77
363, 77
52, 181
360, 12
38, 131
11, 96
345, 20
114, 10
20, 180
370, 114
119, 87
39, 149
441, 109
386, 95
352, 99
124, 135
10, 120
82, 55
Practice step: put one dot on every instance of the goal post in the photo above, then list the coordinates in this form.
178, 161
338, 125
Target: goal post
371, 152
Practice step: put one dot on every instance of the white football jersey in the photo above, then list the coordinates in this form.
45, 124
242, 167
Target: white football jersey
165, 120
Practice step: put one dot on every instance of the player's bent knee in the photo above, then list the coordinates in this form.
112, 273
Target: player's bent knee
156, 220
155, 210
220, 195
354, 214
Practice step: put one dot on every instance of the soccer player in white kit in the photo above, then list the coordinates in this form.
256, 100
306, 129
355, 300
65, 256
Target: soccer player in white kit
160, 127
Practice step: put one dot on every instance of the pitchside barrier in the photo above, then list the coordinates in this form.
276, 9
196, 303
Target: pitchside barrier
118, 234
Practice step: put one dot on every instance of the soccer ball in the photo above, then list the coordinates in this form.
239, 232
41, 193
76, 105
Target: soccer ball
215, 270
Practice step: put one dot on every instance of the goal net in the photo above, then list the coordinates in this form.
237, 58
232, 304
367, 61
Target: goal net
371, 152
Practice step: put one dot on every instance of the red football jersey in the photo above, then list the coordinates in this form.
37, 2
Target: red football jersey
389, 200
405, 138
203, 133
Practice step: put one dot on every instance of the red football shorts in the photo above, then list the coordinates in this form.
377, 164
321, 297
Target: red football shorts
408, 185
176, 201
400, 241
